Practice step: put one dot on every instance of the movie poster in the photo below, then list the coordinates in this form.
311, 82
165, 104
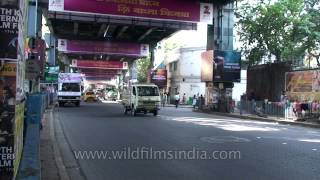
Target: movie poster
9, 23
7, 119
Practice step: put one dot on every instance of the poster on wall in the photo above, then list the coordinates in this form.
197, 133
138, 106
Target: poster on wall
159, 77
227, 66
303, 85
178, 10
9, 23
207, 66
7, 118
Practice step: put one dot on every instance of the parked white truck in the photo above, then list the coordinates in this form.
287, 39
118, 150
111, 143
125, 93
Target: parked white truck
141, 98
69, 88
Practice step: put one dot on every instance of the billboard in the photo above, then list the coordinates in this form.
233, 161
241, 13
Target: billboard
227, 66
99, 64
176, 10
70, 77
9, 23
207, 66
303, 85
159, 77
103, 47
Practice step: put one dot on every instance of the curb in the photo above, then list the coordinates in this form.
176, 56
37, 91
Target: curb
180, 106
310, 125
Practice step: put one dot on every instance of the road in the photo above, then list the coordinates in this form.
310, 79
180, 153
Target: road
267, 150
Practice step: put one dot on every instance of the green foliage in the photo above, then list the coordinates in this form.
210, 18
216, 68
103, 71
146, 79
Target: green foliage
142, 69
286, 29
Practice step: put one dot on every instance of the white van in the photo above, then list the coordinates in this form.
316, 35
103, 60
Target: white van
141, 98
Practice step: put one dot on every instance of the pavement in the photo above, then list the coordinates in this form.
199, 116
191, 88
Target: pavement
269, 150
307, 122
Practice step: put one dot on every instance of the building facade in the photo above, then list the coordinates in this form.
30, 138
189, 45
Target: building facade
184, 70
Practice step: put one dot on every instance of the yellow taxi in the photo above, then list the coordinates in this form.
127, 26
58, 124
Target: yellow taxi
89, 96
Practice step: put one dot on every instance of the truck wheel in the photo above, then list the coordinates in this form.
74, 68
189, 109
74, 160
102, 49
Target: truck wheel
125, 110
78, 104
155, 112
61, 104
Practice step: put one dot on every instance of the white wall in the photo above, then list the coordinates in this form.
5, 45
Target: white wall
190, 61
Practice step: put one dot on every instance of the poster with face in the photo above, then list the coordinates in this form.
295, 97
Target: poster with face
7, 118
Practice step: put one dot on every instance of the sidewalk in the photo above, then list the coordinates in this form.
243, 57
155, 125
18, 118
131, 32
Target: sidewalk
49, 169
180, 106
312, 124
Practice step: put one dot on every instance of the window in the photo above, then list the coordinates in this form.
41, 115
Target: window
175, 66
73, 87
148, 91
134, 91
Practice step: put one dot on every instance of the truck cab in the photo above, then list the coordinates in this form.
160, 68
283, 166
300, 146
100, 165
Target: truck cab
69, 88
141, 98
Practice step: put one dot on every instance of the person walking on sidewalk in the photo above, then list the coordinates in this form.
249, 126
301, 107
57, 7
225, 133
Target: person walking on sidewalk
177, 99
194, 101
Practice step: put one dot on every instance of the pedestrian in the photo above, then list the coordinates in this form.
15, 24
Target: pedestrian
201, 101
184, 98
164, 99
194, 102
177, 99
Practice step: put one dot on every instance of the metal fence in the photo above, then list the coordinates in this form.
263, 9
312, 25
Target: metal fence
290, 110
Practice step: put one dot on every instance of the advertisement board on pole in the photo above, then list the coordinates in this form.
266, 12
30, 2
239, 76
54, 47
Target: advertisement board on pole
227, 66
159, 77
100, 47
177, 10
207, 66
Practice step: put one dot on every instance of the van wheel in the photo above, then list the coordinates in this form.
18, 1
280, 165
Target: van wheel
155, 112
78, 104
125, 111
133, 112
61, 104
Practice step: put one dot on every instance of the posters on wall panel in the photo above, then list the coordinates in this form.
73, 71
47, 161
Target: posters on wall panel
9, 23
303, 85
7, 119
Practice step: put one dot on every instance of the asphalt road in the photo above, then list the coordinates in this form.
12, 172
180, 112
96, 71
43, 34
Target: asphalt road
267, 150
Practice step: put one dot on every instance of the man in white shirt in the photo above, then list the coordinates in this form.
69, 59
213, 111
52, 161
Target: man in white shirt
177, 99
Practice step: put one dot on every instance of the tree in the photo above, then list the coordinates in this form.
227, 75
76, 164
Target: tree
285, 29
142, 69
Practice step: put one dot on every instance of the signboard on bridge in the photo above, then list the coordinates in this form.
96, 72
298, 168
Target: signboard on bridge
100, 47
303, 85
176, 10
99, 64
92, 71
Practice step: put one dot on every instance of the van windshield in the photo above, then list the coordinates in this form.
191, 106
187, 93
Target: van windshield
148, 91
72, 87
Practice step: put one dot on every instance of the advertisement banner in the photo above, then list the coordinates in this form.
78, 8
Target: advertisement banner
159, 77
100, 64
207, 66
176, 10
99, 47
303, 85
99, 71
7, 118
9, 23
227, 66
70, 77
